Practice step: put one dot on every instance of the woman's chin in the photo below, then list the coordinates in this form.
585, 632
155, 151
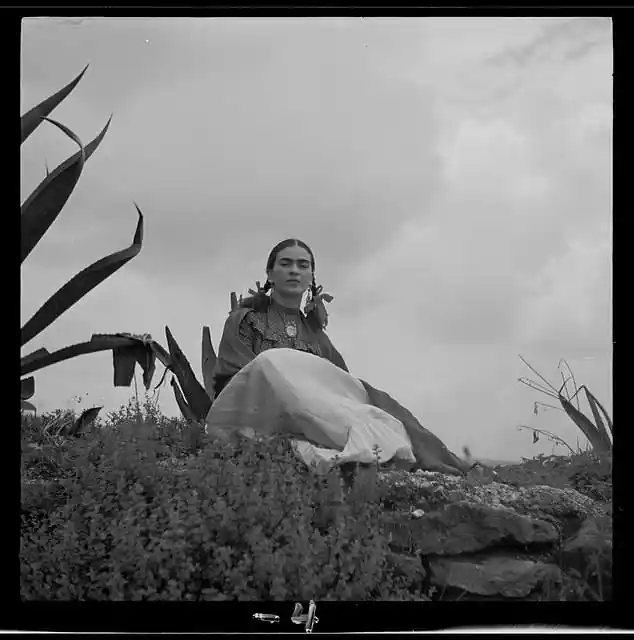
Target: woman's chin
292, 291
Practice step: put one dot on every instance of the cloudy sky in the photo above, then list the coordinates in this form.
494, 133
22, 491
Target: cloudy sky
452, 175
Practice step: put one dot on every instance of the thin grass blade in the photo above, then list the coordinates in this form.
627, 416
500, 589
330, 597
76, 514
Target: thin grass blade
565, 385
31, 119
595, 405
45, 203
599, 443
188, 414
195, 394
27, 388
574, 382
538, 387
538, 374
208, 362
78, 286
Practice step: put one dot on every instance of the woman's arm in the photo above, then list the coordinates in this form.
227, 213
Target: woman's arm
235, 349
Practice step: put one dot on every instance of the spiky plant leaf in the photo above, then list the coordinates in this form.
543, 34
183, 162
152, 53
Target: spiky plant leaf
185, 409
87, 417
195, 395
598, 441
89, 149
31, 119
78, 286
125, 360
27, 406
595, 405
27, 388
43, 206
33, 357
208, 362
99, 342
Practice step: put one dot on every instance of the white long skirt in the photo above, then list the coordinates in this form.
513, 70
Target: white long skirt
322, 407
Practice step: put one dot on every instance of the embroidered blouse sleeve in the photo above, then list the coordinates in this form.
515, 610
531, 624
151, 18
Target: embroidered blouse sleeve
246, 331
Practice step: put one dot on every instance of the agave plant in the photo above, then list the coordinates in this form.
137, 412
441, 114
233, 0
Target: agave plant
38, 212
595, 432
193, 398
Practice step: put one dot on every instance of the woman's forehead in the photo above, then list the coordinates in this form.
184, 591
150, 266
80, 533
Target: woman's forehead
294, 253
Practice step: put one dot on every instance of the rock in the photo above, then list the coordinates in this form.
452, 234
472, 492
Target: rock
463, 527
498, 575
429, 489
480, 539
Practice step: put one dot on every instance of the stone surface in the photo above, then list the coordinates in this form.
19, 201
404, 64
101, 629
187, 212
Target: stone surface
483, 540
497, 575
463, 527
429, 489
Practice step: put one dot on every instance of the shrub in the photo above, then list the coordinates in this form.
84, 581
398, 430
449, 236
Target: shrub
238, 521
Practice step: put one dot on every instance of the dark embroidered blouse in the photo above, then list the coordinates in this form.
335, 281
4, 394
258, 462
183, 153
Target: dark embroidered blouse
262, 330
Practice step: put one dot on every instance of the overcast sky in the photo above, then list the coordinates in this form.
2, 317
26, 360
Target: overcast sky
452, 175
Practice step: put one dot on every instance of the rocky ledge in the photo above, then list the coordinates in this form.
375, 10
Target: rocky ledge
475, 539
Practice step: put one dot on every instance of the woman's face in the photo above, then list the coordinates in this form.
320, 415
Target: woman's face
292, 272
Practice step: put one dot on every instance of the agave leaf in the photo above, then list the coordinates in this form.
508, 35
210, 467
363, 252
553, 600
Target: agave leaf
144, 352
78, 286
27, 388
188, 414
27, 406
208, 362
124, 360
595, 405
31, 119
596, 438
89, 149
87, 417
43, 206
99, 342
196, 396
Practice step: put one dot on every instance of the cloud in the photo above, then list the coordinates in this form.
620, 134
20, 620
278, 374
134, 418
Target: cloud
212, 167
459, 209
557, 39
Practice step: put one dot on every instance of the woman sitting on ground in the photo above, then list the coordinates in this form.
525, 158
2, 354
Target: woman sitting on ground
278, 372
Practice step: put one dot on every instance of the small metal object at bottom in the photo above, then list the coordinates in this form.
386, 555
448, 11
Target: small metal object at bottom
308, 619
266, 617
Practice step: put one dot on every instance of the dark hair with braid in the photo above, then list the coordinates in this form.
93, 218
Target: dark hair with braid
261, 301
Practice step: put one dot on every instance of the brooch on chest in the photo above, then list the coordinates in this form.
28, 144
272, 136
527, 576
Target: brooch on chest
291, 330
